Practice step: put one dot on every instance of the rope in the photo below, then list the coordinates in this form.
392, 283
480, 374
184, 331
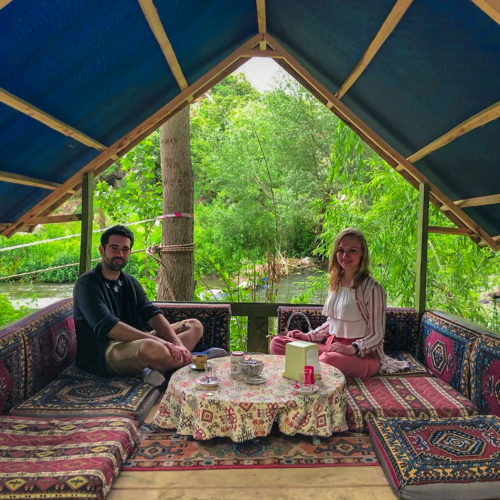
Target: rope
183, 247
62, 266
164, 216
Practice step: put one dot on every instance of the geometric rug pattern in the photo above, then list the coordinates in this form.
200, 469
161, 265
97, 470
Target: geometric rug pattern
440, 458
70, 458
76, 392
164, 450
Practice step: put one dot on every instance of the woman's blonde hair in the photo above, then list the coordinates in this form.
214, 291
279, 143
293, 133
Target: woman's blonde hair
335, 271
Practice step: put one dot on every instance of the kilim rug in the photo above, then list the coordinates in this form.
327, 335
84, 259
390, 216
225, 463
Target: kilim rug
164, 450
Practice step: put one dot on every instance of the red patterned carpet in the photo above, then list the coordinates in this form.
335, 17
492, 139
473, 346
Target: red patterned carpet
168, 451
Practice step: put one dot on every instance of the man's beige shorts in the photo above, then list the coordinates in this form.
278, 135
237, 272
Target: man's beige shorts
123, 358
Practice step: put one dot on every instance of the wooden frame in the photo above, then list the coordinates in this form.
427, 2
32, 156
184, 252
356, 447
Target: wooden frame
264, 45
397, 12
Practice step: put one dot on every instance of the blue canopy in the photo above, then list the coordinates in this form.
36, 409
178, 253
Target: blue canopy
82, 81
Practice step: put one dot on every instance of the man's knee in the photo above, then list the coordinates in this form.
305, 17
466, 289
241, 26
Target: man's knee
195, 326
151, 350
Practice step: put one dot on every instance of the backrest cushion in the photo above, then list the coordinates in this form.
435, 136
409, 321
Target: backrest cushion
12, 369
401, 330
214, 317
485, 375
401, 327
50, 340
446, 349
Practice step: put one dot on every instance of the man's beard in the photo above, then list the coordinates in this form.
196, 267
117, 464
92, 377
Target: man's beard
116, 264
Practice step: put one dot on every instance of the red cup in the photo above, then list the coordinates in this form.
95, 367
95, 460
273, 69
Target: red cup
308, 375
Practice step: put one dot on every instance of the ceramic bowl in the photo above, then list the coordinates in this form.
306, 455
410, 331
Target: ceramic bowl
251, 368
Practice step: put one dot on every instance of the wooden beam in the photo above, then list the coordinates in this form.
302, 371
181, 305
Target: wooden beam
56, 219
382, 147
87, 221
422, 239
261, 21
392, 20
490, 7
479, 201
27, 181
262, 53
3, 3
450, 230
125, 143
154, 21
51, 122
487, 115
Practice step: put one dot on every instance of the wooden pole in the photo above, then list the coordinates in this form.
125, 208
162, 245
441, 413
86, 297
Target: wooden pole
422, 238
87, 220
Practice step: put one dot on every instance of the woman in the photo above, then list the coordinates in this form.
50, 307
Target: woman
352, 337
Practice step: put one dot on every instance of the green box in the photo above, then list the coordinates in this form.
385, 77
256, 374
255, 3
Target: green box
299, 354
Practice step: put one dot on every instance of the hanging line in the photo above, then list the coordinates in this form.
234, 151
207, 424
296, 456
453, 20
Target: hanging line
62, 266
164, 216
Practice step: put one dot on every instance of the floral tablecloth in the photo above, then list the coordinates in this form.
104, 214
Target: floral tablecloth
241, 411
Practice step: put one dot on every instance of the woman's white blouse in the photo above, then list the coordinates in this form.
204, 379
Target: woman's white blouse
344, 318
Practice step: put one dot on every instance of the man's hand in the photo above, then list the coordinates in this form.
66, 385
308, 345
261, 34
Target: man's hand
180, 354
297, 334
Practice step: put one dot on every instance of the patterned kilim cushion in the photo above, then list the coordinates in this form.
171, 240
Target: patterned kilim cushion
415, 397
446, 349
485, 375
77, 393
50, 343
62, 458
12, 370
451, 458
214, 317
401, 325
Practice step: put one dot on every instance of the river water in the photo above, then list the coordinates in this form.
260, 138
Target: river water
38, 295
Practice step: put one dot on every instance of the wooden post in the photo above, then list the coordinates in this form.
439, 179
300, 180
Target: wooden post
258, 329
87, 220
422, 237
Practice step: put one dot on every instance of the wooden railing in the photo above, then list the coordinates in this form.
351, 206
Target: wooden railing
258, 314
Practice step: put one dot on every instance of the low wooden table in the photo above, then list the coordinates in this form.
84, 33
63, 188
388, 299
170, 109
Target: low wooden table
242, 412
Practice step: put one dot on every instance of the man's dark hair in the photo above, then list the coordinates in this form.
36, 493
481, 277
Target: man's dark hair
118, 231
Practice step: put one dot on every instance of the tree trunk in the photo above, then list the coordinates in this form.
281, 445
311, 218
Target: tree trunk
176, 272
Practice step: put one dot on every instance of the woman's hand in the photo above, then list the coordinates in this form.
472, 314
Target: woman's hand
349, 350
297, 334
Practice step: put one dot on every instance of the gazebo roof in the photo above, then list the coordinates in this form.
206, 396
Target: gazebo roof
83, 81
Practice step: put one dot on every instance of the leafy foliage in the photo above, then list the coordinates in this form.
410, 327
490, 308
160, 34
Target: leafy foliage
277, 176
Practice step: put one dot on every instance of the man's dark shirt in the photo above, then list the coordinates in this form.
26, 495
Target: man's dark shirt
98, 304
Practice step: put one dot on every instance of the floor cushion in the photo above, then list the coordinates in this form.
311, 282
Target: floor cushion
452, 458
12, 370
446, 347
485, 375
76, 393
404, 396
62, 458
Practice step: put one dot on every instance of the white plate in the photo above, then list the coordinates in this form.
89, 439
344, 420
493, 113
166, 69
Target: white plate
305, 391
211, 384
193, 367
254, 380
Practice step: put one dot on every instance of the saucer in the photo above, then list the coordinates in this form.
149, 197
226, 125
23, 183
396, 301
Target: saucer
255, 380
208, 384
193, 367
307, 390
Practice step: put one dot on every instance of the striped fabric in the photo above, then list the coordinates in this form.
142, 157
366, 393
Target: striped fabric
414, 397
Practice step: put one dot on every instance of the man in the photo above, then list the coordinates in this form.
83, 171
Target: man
110, 313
